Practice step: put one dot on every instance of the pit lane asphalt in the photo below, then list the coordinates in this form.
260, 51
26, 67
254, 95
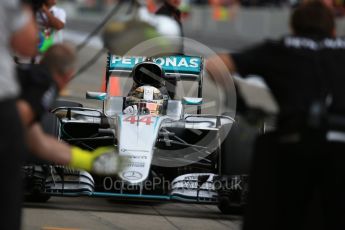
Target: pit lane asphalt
98, 213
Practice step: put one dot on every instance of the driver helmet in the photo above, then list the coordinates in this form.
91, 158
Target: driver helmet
148, 73
146, 100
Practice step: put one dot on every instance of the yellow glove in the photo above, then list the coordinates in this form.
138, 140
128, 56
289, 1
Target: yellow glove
102, 160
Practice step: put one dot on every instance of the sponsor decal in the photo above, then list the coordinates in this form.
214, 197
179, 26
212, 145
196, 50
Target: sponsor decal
123, 150
132, 175
193, 185
183, 188
135, 157
170, 64
307, 43
136, 165
191, 177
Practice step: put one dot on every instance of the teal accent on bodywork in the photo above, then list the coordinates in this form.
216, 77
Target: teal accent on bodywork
138, 196
120, 120
96, 96
156, 123
191, 103
102, 97
155, 197
197, 101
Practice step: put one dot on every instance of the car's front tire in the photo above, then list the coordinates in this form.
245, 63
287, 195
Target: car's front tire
37, 197
236, 155
51, 125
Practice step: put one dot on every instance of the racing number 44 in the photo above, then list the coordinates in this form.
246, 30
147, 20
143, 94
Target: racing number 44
134, 119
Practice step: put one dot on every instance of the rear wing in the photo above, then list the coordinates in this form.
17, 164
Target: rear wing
180, 67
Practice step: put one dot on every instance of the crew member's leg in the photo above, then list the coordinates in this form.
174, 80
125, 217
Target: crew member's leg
11, 150
333, 185
280, 186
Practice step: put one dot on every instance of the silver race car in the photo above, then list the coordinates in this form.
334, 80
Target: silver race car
173, 156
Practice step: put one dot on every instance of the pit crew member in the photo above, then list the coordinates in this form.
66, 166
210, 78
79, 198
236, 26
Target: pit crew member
306, 153
170, 9
40, 87
51, 20
18, 33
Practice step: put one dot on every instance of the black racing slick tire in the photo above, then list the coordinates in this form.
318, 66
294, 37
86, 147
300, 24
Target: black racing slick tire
237, 148
233, 194
37, 198
235, 161
62, 103
35, 176
226, 207
50, 123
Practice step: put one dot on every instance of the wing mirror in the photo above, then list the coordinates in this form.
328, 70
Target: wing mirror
100, 96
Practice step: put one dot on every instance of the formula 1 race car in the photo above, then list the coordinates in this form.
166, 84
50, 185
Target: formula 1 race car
173, 156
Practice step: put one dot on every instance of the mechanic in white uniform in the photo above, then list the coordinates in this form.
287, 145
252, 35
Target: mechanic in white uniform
51, 20
170, 9
18, 33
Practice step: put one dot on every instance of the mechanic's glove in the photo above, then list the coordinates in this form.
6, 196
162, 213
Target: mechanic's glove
102, 161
